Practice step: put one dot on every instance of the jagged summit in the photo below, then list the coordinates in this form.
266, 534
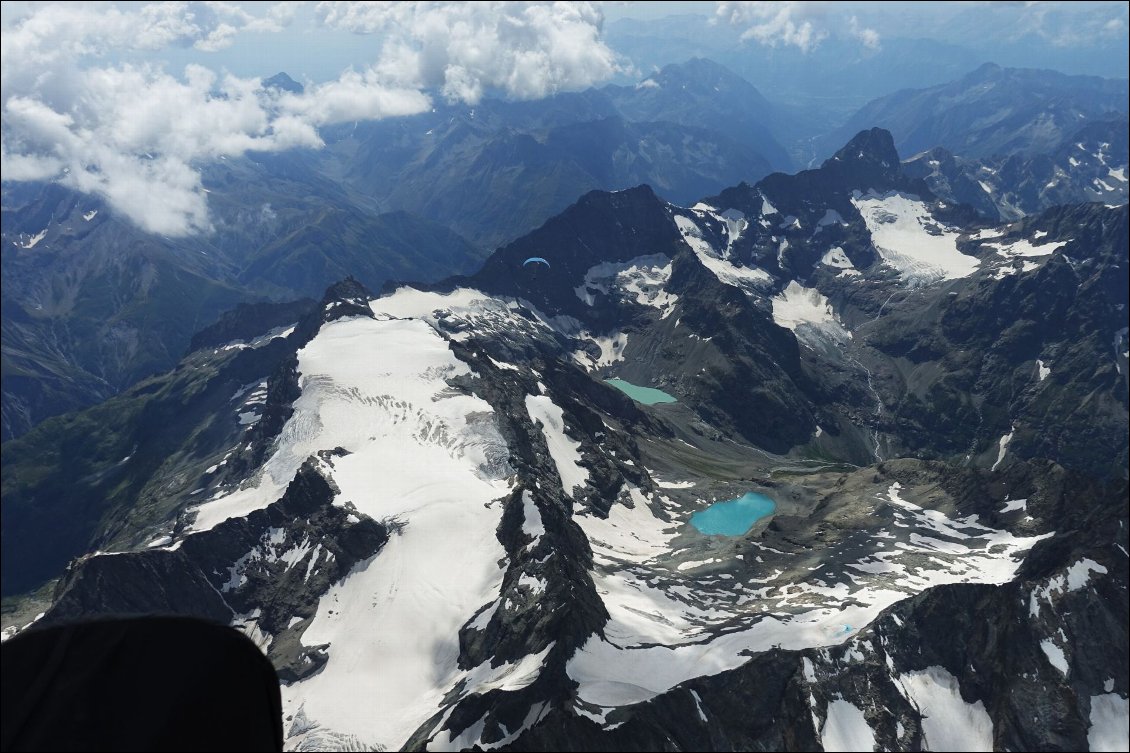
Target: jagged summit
601, 227
873, 147
347, 292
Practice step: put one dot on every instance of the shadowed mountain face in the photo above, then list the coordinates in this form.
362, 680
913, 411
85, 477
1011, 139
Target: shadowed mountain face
433, 501
497, 170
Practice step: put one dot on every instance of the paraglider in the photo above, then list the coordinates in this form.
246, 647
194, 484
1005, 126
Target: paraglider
532, 265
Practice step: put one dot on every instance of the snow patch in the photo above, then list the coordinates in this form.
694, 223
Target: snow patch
30, 242
948, 721
1108, 729
564, 451
1024, 248
532, 524
675, 484
736, 224
1080, 573
611, 350
987, 233
808, 313
633, 534
831, 217
1014, 505
1002, 447
643, 278
846, 729
1055, 655
744, 278
835, 257
808, 669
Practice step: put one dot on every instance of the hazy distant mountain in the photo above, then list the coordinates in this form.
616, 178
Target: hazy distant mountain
282, 82
835, 77
702, 93
385, 200
993, 111
491, 182
498, 170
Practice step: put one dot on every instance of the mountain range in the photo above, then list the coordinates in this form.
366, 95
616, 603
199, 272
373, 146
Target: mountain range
92, 304
991, 112
433, 501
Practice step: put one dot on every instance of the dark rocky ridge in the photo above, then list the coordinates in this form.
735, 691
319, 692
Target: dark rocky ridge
249, 320
212, 576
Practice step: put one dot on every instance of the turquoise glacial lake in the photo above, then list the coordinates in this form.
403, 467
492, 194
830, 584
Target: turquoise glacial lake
645, 395
733, 517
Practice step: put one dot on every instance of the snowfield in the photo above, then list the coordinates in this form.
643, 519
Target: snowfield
422, 454
910, 240
809, 314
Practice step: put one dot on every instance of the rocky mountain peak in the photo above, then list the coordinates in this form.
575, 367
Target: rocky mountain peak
601, 228
984, 73
283, 83
872, 148
349, 292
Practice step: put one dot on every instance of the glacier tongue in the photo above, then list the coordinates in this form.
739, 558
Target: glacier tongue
911, 240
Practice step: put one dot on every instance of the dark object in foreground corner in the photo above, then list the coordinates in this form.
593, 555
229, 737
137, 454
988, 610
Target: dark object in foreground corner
140, 684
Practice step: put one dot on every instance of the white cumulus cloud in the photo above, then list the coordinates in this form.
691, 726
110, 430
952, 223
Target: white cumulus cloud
869, 37
135, 134
774, 23
525, 50
803, 25
131, 134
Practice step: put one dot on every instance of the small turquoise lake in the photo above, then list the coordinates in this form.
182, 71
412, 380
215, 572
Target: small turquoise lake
645, 395
733, 517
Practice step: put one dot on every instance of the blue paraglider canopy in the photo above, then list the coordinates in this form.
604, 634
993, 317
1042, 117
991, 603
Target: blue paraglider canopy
534, 259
